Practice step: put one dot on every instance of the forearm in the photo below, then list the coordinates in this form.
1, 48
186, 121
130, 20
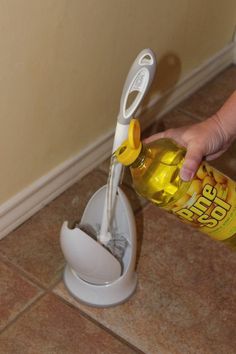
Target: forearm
226, 118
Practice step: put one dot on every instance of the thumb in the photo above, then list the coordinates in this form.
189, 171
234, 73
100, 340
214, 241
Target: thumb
192, 161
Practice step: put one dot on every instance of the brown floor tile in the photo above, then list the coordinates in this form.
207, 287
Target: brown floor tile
176, 119
211, 96
16, 293
227, 162
185, 301
104, 166
51, 326
124, 320
34, 246
137, 202
172, 119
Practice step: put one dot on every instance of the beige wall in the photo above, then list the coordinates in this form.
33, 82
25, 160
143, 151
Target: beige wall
63, 64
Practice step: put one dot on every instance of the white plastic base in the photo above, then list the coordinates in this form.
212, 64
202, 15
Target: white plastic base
100, 295
92, 275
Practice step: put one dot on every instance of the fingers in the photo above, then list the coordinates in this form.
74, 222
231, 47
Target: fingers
169, 133
192, 161
154, 137
195, 150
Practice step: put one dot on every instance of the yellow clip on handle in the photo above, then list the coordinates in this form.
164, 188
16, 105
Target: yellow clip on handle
134, 134
128, 152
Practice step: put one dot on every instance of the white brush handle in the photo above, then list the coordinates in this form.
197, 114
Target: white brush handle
137, 83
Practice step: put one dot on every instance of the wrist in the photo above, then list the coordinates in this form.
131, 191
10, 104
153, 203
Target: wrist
216, 129
225, 117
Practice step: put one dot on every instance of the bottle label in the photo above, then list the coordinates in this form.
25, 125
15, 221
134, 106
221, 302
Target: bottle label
209, 203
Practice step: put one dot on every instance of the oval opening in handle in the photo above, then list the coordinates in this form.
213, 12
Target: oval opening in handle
146, 59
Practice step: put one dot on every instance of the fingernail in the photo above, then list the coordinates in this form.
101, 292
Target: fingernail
186, 175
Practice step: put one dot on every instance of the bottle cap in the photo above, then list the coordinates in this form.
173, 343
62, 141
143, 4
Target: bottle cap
128, 152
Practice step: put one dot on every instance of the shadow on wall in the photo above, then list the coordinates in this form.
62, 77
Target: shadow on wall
167, 75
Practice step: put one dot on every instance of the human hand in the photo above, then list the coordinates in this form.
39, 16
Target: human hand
205, 140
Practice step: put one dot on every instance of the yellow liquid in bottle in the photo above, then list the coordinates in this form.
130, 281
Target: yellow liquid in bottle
199, 202
156, 172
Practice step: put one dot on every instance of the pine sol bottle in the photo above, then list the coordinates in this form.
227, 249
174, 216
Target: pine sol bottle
207, 202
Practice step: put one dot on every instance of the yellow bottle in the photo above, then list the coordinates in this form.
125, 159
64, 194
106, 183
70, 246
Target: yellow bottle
207, 202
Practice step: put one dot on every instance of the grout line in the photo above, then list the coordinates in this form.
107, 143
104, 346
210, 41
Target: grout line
24, 310
21, 272
28, 276
30, 304
42, 291
83, 314
98, 324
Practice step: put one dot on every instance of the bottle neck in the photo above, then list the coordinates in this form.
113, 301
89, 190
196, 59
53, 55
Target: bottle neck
141, 157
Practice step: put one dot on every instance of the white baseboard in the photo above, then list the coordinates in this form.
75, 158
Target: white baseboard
27, 202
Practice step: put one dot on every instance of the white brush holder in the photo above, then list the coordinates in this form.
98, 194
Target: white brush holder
92, 274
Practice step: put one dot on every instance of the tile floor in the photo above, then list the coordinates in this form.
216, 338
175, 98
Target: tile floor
185, 301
